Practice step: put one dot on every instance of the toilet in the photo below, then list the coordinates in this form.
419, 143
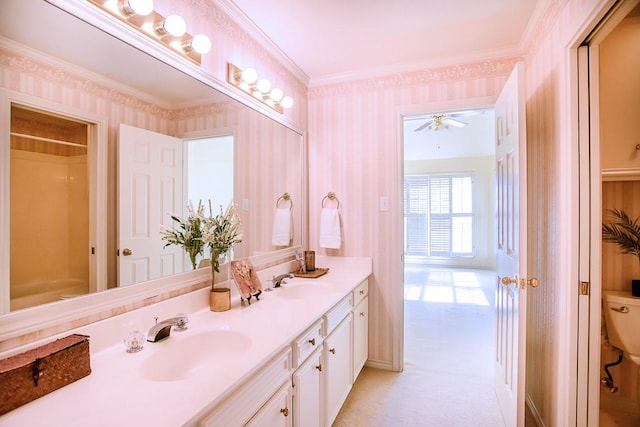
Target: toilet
622, 317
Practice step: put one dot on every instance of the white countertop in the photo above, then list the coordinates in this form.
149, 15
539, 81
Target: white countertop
116, 394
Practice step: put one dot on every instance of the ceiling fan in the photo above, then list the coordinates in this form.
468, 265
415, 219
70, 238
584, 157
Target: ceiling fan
439, 121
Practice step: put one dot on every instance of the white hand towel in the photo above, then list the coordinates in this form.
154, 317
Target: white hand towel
330, 229
282, 227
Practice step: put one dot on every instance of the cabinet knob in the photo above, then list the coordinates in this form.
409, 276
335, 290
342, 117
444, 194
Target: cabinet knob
361, 291
362, 314
319, 367
285, 411
312, 341
332, 350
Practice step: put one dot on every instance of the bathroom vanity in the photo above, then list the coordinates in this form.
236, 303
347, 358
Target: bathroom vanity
288, 359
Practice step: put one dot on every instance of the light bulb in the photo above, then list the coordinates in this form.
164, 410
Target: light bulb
249, 76
276, 94
263, 85
175, 25
138, 7
201, 44
111, 5
287, 102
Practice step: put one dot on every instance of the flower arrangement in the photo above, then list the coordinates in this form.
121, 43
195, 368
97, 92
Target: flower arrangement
221, 232
623, 231
189, 233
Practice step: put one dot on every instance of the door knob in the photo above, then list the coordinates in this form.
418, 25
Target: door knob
533, 282
506, 280
127, 252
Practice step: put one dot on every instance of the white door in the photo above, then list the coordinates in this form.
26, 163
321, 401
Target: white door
511, 270
150, 191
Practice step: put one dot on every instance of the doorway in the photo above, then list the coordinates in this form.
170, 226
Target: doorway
74, 142
449, 241
609, 62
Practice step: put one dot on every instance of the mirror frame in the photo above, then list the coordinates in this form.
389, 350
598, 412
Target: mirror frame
30, 324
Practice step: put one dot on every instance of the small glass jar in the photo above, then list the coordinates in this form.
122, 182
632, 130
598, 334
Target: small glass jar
134, 341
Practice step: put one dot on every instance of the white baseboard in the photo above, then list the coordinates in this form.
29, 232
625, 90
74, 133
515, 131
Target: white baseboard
379, 364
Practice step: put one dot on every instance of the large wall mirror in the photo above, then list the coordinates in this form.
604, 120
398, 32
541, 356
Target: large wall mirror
255, 159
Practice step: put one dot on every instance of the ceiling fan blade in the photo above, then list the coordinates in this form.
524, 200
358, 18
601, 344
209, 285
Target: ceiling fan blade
428, 122
453, 122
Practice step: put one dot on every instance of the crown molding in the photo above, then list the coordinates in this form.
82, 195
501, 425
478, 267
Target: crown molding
241, 19
486, 67
27, 60
409, 67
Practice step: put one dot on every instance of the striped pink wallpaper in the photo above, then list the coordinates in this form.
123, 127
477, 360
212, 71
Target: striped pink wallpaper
354, 152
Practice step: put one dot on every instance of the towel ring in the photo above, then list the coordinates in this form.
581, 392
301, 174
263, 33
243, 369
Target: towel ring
287, 198
331, 196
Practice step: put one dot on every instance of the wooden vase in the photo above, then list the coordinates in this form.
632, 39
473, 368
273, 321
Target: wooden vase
220, 299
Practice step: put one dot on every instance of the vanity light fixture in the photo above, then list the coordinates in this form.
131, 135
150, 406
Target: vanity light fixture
170, 32
173, 25
136, 7
247, 81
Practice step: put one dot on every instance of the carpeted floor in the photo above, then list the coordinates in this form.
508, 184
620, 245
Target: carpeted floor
448, 372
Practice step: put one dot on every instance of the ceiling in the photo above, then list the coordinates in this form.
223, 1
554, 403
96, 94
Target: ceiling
476, 139
330, 39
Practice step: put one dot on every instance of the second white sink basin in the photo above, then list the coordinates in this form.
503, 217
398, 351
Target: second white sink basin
183, 358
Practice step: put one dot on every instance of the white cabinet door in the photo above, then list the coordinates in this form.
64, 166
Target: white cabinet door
306, 398
360, 336
277, 411
337, 363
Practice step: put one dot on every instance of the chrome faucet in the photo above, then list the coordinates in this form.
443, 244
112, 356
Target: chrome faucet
162, 330
279, 280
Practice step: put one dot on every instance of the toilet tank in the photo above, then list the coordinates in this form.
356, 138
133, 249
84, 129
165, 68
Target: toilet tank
622, 317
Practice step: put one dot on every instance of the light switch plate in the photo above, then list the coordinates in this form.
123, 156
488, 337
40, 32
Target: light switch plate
384, 203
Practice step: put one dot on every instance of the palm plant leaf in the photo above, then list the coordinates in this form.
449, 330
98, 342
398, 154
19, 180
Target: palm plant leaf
622, 231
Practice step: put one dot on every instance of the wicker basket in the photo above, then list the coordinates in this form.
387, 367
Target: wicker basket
220, 299
34, 373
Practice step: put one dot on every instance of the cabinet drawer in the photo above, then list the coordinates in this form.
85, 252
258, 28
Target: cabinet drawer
247, 398
306, 343
277, 411
336, 314
361, 291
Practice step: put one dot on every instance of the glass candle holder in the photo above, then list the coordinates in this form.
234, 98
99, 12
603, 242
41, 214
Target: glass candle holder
134, 341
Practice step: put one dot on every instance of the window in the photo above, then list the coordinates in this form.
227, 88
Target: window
438, 215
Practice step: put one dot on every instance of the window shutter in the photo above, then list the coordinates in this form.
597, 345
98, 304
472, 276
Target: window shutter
439, 215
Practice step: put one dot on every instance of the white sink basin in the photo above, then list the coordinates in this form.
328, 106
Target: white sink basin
184, 358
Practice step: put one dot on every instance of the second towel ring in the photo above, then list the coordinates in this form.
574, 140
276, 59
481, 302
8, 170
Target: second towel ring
331, 196
287, 198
